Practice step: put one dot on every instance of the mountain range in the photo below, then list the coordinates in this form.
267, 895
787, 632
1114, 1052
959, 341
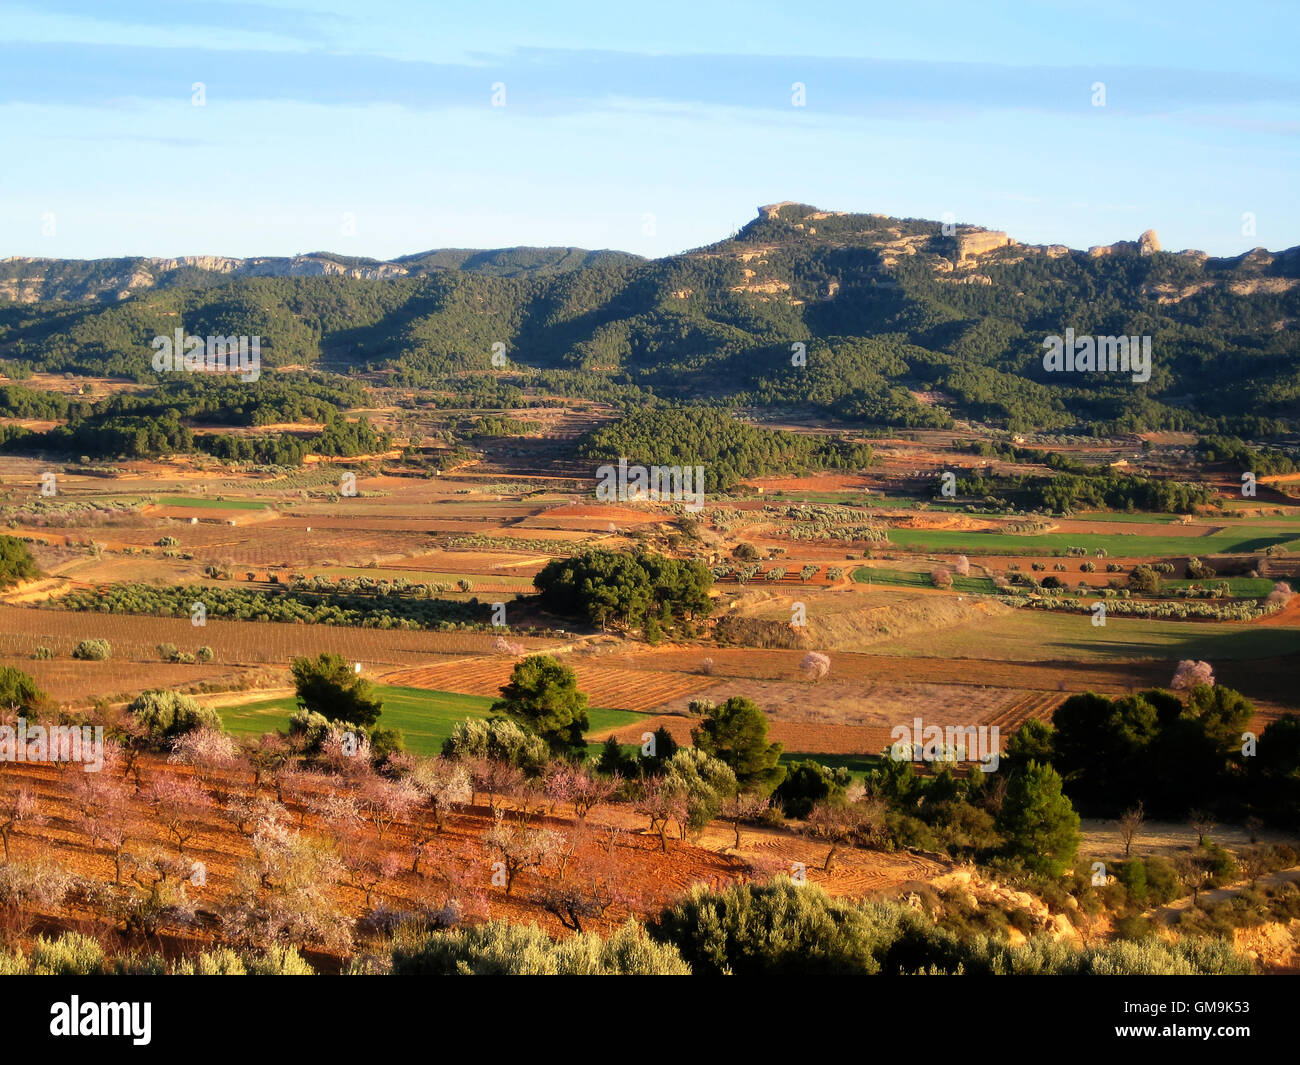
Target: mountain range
854, 318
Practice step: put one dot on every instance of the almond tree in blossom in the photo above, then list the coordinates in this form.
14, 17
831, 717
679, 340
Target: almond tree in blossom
1191, 673
18, 809
816, 665
179, 806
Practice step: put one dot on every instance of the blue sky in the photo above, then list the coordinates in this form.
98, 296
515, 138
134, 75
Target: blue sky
369, 128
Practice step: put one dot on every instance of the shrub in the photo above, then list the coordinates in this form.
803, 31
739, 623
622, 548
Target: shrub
310, 727
774, 929
501, 949
499, 739
93, 650
43, 652
219, 962
164, 714
807, 783
72, 954
1144, 580
19, 691
278, 961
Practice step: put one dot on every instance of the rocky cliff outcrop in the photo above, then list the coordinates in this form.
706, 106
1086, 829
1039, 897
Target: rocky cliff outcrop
1147, 244
974, 242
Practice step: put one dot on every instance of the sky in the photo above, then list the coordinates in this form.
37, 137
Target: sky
389, 127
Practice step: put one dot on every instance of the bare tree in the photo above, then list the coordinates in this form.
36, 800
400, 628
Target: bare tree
1130, 823
663, 803
844, 823
160, 895
1202, 824
598, 882
1193, 873
528, 798
1254, 863
366, 867
743, 806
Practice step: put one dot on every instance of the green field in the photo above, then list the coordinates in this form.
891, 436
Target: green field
845, 498
920, 579
1245, 540
1041, 636
1240, 587
203, 503
425, 718
854, 763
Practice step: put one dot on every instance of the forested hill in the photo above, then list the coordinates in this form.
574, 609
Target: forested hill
902, 322
29, 280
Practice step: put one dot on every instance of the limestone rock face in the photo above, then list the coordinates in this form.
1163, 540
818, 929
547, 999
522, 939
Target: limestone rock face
971, 243
1146, 244
773, 210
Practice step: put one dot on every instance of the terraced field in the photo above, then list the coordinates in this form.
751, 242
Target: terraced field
1022, 708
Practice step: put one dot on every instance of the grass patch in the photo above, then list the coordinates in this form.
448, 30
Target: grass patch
1240, 587
425, 718
1242, 541
203, 503
1039, 636
918, 579
854, 763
